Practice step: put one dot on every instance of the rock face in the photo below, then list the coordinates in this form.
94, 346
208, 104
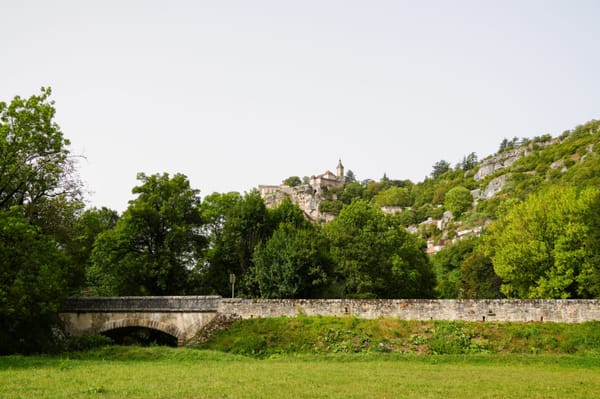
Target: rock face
494, 187
306, 196
499, 161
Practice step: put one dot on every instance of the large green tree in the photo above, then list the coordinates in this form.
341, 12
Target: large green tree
376, 257
155, 244
479, 281
39, 203
35, 276
244, 222
447, 267
35, 160
538, 247
590, 273
293, 263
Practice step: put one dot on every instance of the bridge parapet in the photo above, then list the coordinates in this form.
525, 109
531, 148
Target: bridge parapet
146, 304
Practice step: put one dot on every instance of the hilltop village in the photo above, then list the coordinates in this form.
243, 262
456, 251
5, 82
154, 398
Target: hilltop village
317, 189
440, 227
309, 195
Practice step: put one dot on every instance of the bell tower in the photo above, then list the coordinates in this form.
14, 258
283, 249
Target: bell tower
340, 171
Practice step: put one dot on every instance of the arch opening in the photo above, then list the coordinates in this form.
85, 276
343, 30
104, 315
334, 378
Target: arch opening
141, 336
142, 332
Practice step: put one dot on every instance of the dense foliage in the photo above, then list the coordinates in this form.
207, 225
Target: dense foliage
376, 257
535, 235
39, 202
155, 244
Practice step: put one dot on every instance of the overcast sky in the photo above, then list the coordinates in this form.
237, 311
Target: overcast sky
234, 94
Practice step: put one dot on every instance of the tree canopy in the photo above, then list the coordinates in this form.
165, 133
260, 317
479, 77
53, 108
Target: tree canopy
155, 244
376, 257
34, 157
39, 203
458, 200
538, 247
293, 263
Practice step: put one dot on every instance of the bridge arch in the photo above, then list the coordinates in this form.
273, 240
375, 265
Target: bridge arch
146, 323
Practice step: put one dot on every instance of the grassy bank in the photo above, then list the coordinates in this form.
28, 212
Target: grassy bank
159, 372
272, 336
329, 358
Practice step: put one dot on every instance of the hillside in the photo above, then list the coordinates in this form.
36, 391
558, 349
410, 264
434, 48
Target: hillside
522, 222
519, 168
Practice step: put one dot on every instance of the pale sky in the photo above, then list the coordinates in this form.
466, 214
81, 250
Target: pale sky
234, 94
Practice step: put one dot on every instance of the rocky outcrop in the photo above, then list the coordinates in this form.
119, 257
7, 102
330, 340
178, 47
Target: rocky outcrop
304, 196
494, 187
499, 161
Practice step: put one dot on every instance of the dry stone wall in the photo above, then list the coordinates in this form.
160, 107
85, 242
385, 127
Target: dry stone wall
564, 311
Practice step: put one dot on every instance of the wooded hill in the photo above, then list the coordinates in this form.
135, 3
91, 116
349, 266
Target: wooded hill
532, 213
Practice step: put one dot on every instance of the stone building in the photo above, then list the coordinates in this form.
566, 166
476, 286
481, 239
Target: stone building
306, 196
328, 180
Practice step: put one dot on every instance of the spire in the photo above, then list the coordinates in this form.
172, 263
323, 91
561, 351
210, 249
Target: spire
340, 170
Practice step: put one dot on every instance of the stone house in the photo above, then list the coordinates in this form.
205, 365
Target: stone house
306, 196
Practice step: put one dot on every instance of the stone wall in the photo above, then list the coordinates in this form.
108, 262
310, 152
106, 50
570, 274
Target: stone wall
142, 304
565, 311
183, 317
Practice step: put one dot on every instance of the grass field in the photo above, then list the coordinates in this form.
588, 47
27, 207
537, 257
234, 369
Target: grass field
160, 372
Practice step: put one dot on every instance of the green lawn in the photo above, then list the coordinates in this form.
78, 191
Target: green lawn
131, 372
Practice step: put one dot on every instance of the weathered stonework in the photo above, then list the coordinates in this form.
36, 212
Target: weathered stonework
184, 317
306, 196
180, 317
564, 311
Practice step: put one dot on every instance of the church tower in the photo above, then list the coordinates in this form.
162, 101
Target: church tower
340, 171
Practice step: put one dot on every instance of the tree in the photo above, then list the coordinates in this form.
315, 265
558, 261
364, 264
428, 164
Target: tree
34, 279
479, 281
469, 162
292, 181
287, 212
590, 272
376, 257
538, 246
39, 202
86, 228
439, 168
394, 196
351, 191
293, 263
458, 200
350, 177
35, 161
447, 266
246, 223
155, 244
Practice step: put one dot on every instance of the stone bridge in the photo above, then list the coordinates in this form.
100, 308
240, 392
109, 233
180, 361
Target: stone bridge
179, 316
183, 316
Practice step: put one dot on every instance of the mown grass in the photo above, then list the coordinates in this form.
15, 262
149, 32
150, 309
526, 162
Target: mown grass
159, 372
329, 358
266, 337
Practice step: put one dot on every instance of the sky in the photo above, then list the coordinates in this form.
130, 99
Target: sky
234, 94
